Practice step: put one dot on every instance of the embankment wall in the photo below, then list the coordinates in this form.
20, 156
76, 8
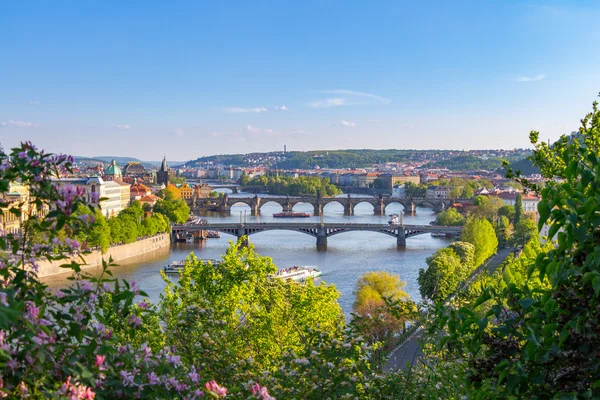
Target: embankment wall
158, 243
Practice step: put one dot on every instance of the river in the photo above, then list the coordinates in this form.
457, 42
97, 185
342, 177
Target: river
348, 256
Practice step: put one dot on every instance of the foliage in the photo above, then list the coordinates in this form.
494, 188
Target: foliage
525, 231
507, 211
480, 233
487, 207
539, 337
303, 185
235, 309
518, 209
173, 206
414, 190
468, 163
450, 217
447, 268
55, 344
503, 230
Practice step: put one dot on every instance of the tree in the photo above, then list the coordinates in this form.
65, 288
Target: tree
377, 295
503, 230
525, 231
507, 211
236, 309
518, 209
480, 233
376, 285
539, 337
456, 192
468, 192
487, 207
172, 192
177, 211
450, 217
441, 277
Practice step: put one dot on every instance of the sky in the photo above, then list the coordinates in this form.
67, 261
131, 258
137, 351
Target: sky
192, 78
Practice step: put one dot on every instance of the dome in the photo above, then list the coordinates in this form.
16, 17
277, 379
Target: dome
113, 169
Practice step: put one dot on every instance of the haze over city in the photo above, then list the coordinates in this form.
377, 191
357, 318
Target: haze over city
147, 79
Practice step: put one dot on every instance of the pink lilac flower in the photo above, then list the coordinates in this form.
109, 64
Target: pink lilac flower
100, 360
3, 299
86, 286
152, 378
144, 304
213, 387
106, 287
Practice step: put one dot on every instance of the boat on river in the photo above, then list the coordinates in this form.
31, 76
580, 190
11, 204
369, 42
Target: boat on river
394, 219
291, 214
213, 235
298, 273
175, 267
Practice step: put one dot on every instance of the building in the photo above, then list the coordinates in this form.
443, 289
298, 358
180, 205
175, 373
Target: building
112, 172
186, 191
530, 201
202, 190
162, 176
399, 191
125, 193
94, 189
391, 180
365, 180
438, 192
150, 199
112, 205
137, 191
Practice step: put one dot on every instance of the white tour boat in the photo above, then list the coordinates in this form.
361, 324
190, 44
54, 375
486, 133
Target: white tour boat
298, 274
394, 219
175, 267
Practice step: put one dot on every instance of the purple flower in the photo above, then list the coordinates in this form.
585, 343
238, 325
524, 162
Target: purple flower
127, 378
213, 387
175, 360
3, 299
135, 320
152, 378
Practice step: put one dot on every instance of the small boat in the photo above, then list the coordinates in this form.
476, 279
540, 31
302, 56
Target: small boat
298, 273
213, 235
291, 214
189, 239
438, 234
180, 238
394, 219
174, 267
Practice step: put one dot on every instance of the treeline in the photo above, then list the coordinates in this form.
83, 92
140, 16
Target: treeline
131, 224
303, 185
471, 163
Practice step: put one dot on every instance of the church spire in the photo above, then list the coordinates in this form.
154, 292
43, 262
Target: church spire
164, 167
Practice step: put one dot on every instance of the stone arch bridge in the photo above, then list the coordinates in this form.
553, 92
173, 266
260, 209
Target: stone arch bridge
223, 204
321, 231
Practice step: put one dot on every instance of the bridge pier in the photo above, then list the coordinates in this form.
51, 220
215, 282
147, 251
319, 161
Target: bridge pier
379, 209
321, 239
409, 208
287, 207
401, 239
318, 210
349, 209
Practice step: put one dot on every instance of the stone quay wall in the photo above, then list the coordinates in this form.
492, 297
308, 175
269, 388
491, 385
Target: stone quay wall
157, 243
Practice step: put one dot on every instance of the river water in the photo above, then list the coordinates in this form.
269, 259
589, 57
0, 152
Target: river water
348, 255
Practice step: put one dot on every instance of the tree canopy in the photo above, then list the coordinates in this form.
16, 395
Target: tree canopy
481, 234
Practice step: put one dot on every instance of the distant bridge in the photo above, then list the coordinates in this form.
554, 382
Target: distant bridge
223, 204
321, 231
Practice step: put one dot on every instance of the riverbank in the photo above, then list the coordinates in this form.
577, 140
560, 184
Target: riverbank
159, 244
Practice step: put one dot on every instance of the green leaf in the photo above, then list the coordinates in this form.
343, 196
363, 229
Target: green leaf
526, 303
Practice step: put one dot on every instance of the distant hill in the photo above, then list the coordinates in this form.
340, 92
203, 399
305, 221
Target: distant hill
119, 160
525, 167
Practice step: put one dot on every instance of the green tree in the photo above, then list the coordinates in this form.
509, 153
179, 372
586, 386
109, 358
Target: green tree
525, 231
450, 217
539, 336
376, 285
507, 211
442, 275
503, 230
467, 193
487, 207
480, 233
177, 211
456, 192
236, 309
518, 209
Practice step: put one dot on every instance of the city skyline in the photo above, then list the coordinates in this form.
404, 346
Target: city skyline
198, 79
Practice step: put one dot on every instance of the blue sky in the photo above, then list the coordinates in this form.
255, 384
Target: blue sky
195, 78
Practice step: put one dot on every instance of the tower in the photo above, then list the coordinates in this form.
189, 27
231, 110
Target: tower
162, 176
284, 149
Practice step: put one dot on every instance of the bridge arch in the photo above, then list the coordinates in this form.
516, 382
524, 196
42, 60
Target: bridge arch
394, 203
361, 203
335, 203
303, 203
234, 202
271, 203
